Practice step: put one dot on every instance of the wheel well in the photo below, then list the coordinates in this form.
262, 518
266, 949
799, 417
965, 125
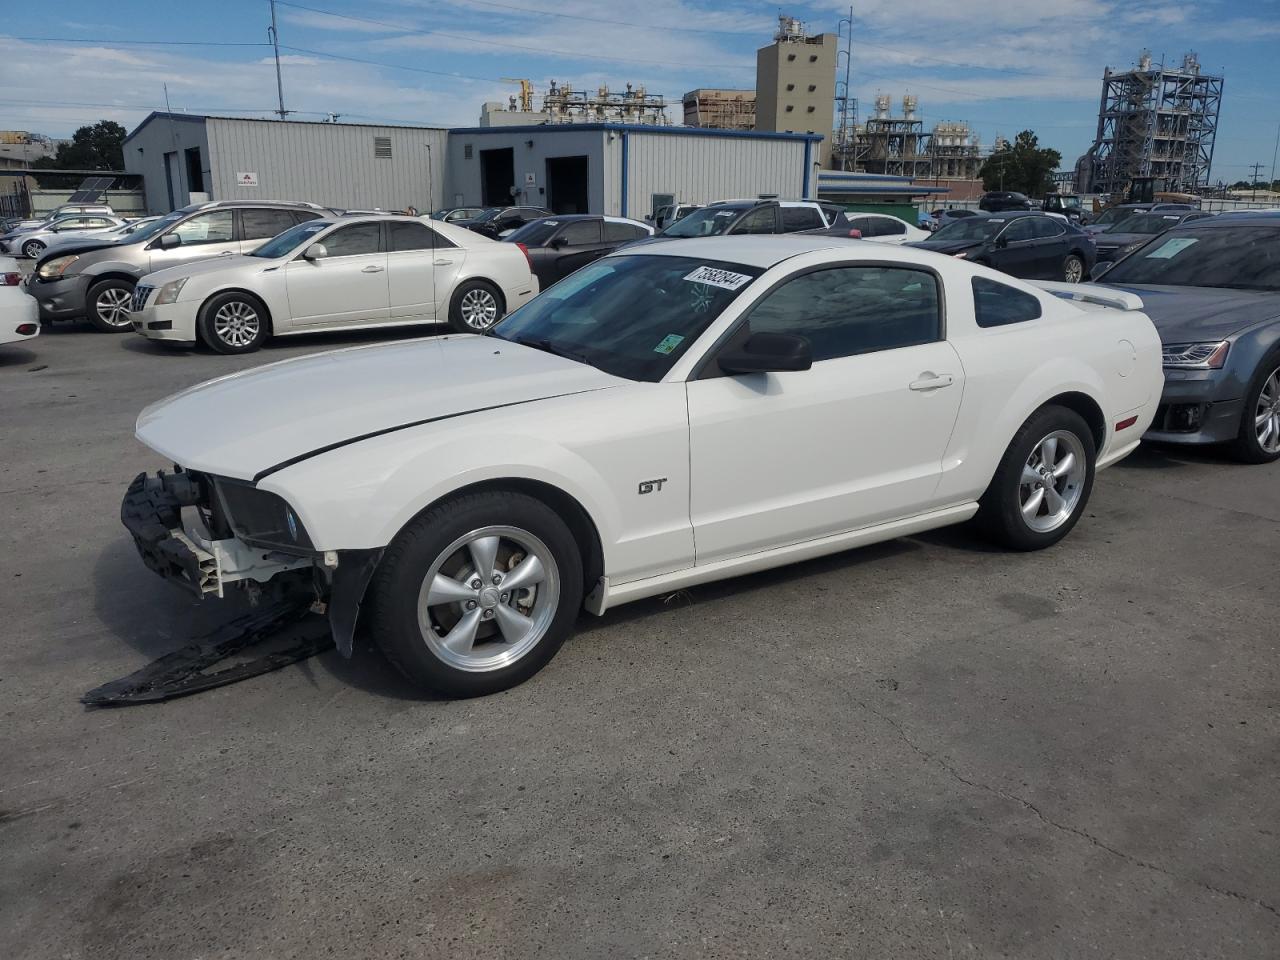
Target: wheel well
496, 288
1084, 405
266, 311
569, 510
122, 277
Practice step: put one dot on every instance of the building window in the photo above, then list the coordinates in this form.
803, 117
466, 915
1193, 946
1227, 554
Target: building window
810, 109
790, 87
791, 56
790, 108
813, 87
466, 151
813, 58
382, 148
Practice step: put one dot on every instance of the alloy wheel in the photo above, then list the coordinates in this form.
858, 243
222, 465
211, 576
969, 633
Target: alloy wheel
1266, 414
236, 324
479, 308
1073, 270
112, 306
488, 598
32, 249
1052, 481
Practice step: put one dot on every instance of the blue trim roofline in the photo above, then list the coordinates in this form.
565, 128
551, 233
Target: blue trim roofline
642, 128
808, 170
624, 173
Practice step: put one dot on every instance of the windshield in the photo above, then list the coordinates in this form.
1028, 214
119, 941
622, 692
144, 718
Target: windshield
1240, 258
1150, 223
1110, 216
534, 234
149, 230
630, 316
971, 229
283, 243
487, 214
707, 222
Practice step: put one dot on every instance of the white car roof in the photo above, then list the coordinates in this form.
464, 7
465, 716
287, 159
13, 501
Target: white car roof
766, 250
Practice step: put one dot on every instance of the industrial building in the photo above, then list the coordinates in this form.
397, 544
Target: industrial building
955, 153
720, 109
796, 83
623, 169
1155, 123
562, 104
185, 158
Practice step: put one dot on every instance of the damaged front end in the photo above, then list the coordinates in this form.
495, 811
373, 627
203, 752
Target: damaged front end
208, 534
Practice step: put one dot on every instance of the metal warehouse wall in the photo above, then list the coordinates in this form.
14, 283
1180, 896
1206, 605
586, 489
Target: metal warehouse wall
699, 168
327, 163
144, 153
554, 141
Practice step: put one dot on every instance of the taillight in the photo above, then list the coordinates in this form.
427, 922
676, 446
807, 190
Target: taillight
27, 329
525, 251
10, 279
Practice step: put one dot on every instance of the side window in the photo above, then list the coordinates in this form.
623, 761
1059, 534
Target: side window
620, 232
864, 225
757, 221
844, 311
800, 218
997, 305
414, 236
1020, 229
1047, 227
264, 224
580, 233
891, 227
302, 216
213, 227
353, 240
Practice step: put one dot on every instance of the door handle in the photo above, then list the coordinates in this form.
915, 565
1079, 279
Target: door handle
225, 253
931, 381
444, 263
371, 269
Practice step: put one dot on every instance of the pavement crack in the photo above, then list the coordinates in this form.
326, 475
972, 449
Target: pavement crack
1048, 821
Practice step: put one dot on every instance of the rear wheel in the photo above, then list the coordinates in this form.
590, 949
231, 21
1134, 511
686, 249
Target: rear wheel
1259, 437
1043, 482
233, 322
32, 249
1073, 269
476, 306
477, 594
109, 305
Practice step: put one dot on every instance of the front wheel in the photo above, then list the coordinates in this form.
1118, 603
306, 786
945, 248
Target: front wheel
476, 306
1259, 437
109, 306
32, 249
1043, 482
477, 594
1073, 269
233, 322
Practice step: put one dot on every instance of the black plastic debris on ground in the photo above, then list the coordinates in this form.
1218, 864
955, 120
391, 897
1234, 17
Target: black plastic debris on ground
288, 629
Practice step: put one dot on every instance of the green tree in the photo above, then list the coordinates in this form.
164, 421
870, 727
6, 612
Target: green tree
99, 147
1023, 166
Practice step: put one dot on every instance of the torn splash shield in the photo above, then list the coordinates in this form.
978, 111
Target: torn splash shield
291, 629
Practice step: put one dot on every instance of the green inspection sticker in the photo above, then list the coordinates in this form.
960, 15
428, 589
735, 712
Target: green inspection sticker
669, 343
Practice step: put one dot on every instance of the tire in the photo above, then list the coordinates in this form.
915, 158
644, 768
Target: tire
233, 322
1261, 400
32, 249
108, 305
1003, 510
414, 631
1073, 268
476, 306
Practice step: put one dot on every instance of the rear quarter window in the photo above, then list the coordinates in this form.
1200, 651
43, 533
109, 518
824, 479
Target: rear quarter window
998, 305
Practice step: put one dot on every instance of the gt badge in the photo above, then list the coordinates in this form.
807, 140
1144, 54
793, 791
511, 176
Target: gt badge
648, 486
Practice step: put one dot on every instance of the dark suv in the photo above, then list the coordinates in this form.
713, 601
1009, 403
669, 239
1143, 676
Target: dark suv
1033, 246
96, 279
755, 216
497, 222
557, 246
994, 201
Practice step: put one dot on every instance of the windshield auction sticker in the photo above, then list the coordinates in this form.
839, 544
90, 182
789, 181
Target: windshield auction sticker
669, 343
718, 278
1171, 248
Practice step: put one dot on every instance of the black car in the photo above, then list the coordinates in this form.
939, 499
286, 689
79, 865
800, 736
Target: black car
1212, 288
496, 222
755, 216
1111, 216
994, 201
1136, 229
1027, 245
557, 246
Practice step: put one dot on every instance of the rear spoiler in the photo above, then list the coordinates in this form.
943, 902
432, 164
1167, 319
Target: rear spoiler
1101, 296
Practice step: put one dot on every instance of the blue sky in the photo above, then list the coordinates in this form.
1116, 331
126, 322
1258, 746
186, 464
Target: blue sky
1003, 65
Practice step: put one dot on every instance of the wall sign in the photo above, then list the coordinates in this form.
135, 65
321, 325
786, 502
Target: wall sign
249, 179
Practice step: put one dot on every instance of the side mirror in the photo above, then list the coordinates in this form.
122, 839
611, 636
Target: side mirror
316, 251
768, 353
1002, 242
1100, 268
169, 241
855, 233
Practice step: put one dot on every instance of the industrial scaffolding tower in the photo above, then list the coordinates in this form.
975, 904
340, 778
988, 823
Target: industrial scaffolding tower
1154, 123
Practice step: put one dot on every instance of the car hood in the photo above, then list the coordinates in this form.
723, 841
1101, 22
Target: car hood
248, 424
945, 246
81, 247
1189, 314
1111, 239
200, 268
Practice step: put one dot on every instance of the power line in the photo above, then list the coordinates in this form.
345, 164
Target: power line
541, 51
390, 66
153, 43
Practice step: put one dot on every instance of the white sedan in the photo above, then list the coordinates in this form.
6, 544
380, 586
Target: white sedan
882, 228
668, 415
336, 273
19, 312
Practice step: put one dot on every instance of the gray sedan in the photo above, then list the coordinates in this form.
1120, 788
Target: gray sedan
1212, 288
32, 243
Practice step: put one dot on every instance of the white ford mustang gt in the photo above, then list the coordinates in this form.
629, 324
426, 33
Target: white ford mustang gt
338, 273
666, 416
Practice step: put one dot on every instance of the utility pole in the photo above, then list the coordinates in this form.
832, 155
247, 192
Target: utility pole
274, 34
1274, 153
847, 133
1255, 168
